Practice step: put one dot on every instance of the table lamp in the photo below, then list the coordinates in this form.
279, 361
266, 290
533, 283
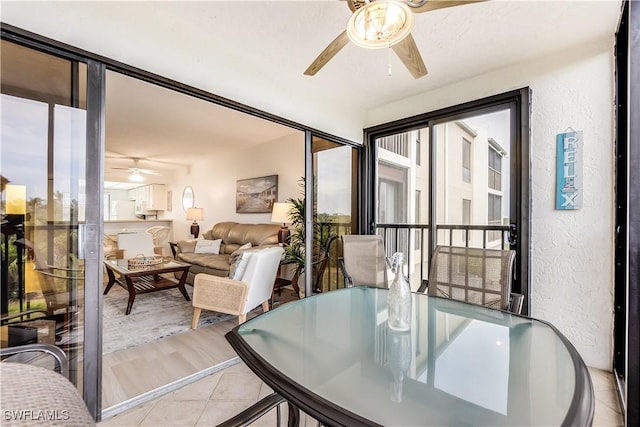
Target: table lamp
280, 213
195, 214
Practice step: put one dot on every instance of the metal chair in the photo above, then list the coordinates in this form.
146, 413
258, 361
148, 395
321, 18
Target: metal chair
28, 385
363, 261
475, 275
320, 265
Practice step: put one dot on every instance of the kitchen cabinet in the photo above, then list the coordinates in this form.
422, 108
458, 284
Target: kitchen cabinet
151, 197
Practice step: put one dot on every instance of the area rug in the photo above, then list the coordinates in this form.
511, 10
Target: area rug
158, 315
153, 316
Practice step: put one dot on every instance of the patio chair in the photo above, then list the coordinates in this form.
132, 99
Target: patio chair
363, 261
53, 281
249, 285
320, 265
475, 275
28, 385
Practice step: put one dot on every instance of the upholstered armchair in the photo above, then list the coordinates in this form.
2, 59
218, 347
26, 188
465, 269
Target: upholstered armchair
249, 285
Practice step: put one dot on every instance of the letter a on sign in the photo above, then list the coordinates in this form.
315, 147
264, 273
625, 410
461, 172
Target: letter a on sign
569, 170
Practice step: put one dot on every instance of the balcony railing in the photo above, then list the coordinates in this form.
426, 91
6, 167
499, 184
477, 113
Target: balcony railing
412, 240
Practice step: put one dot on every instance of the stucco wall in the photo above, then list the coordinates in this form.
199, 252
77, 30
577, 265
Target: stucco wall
571, 251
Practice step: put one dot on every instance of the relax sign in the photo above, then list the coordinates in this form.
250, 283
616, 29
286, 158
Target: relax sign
569, 171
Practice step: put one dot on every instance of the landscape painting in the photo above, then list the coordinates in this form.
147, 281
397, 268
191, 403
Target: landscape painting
256, 195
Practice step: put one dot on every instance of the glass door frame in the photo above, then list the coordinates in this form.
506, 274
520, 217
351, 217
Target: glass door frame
518, 102
310, 195
626, 334
92, 352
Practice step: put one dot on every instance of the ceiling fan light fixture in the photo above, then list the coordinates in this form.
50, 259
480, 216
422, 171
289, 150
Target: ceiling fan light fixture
380, 24
136, 177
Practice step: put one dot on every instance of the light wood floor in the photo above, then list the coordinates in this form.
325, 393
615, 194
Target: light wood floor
134, 371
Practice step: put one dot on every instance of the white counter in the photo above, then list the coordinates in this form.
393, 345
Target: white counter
118, 226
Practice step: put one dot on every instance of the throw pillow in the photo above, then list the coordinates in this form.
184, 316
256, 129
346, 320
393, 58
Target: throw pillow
238, 269
208, 246
235, 254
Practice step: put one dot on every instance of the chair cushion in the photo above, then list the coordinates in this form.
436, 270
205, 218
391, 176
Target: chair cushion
217, 262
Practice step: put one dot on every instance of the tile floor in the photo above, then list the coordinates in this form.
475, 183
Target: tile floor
224, 394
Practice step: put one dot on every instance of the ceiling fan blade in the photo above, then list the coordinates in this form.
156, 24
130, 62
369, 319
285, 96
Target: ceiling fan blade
410, 56
425, 6
328, 53
355, 4
149, 172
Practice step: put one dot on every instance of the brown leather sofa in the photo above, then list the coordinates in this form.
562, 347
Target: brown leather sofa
233, 236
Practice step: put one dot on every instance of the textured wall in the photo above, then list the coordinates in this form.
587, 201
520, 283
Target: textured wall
571, 251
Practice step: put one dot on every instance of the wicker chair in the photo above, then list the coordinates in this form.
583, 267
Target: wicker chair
475, 275
363, 261
160, 236
250, 285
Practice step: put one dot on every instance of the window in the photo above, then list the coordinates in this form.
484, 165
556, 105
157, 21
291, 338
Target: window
494, 214
466, 160
495, 169
466, 211
418, 150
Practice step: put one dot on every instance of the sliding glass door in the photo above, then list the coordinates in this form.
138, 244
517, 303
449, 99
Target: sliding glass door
43, 154
456, 177
334, 208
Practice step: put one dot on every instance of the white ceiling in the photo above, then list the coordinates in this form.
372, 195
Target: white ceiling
269, 44
165, 130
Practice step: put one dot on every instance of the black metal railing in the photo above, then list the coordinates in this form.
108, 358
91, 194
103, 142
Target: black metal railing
413, 241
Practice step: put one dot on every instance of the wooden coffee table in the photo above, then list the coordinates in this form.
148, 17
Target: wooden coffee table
147, 279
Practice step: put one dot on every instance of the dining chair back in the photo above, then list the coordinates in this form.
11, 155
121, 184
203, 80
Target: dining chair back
134, 244
475, 275
363, 261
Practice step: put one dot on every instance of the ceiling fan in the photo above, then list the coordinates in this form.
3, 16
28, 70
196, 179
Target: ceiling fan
136, 172
384, 24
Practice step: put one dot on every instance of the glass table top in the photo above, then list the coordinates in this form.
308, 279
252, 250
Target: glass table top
459, 364
122, 266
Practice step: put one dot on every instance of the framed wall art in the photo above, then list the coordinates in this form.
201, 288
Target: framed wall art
256, 195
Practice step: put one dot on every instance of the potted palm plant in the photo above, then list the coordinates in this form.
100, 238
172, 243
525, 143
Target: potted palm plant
295, 250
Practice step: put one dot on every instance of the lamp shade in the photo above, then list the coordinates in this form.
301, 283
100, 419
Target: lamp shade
280, 212
16, 199
380, 24
195, 214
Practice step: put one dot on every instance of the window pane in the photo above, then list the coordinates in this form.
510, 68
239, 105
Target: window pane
334, 170
42, 159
